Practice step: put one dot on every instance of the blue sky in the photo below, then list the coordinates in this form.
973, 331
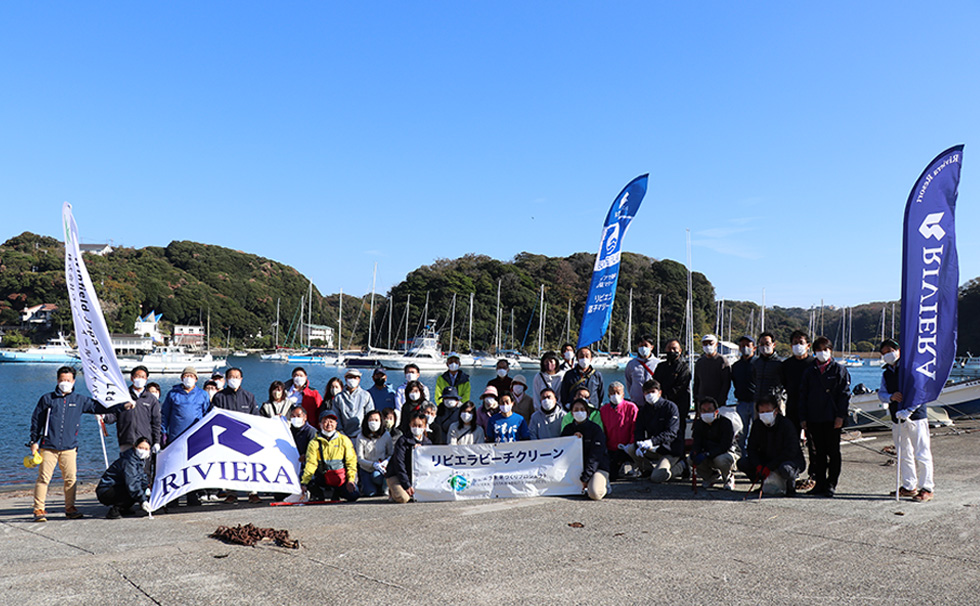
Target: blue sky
331, 136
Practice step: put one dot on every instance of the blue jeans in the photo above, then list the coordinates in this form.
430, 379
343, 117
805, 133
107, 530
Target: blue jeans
746, 411
371, 483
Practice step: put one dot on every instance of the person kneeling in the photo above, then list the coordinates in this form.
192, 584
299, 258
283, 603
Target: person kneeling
399, 475
595, 466
773, 454
330, 472
125, 483
713, 451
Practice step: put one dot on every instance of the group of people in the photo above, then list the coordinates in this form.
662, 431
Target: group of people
355, 442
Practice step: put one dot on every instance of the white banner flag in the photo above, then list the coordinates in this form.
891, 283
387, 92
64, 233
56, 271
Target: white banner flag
488, 471
99, 364
228, 450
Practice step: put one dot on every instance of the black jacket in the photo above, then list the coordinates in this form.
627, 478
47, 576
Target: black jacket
303, 436
774, 446
714, 439
127, 473
675, 383
400, 463
791, 374
143, 421
889, 379
594, 453
660, 423
743, 378
767, 376
575, 379
238, 401
825, 396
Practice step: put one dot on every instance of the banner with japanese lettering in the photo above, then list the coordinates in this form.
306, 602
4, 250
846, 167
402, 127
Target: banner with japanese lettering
490, 471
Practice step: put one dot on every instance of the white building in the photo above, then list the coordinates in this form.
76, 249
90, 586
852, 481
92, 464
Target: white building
188, 336
95, 249
38, 314
131, 345
148, 327
318, 332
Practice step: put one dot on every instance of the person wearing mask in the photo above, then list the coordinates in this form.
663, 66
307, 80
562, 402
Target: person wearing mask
567, 358
744, 381
712, 373
714, 451
547, 421
453, 377
352, 404
381, 394
595, 464
125, 482
142, 420
184, 405
399, 474
154, 388
488, 408
910, 431
640, 369
792, 370
465, 431
234, 397
657, 448
390, 419
447, 414
674, 376
619, 422
825, 394
773, 455
548, 377
523, 402
210, 388
766, 371
412, 375
330, 472
374, 448
303, 432
277, 405
594, 415
219, 380
502, 381
507, 425
583, 375
301, 394
54, 434
415, 398
433, 429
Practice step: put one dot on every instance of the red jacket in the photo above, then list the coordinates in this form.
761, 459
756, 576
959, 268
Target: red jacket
619, 423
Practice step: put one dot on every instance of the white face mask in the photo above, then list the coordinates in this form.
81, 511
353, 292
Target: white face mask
450, 403
583, 363
453, 367
189, 382
823, 356
799, 349
708, 417
746, 350
299, 381
767, 417
139, 383
418, 432
518, 389
143, 454
547, 404
336, 389
297, 422
414, 396
568, 355
890, 358
374, 425
644, 351
411, 376
490, 402
709, 349
210, 392
234, 383
66, 386
466, 416
615, 398
220, 384
353, 383
431, 418
501, 372
328, 434
580, 415
767, 349
506, 408
652, 397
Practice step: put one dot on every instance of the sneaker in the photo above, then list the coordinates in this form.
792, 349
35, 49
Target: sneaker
923, 496
904, 492
805, 485
74, 515
231, 499
113, 513
254, 498
40, 515
729, 484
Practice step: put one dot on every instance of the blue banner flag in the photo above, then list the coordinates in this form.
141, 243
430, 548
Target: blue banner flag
930, 281
605, 274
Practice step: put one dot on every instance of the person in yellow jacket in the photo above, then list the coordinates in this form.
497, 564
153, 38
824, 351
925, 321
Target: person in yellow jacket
453, 377
330, 472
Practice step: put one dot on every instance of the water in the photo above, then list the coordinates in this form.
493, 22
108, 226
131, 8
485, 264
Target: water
22, 384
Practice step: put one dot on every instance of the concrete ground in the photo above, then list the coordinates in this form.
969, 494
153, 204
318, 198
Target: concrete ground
644, 544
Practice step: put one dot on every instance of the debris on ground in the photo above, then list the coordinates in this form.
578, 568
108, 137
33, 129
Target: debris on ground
248, 535
888, 450
576, 525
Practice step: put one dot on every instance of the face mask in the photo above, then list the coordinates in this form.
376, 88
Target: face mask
299, 381
568, 355
767, 349
490, 402
580, 415
336, 389
799, 349
411, 376
466, 416
615, 399
890, 358
328, 434
583, 363
451, 403
746, 350
418, 432
644, 352
672, 356
353, 383
709, 349
277, 395
708, 417
139, 383
517, 389
501, 372
823, 356
431, 418
547, 404
389, 423
652, 398
414, 396
142, 454
221, 385
234, 383
506, 408
210, 392
297, 422
379, 382
453, 367
767, 417
66, 386
374, 425
189, 382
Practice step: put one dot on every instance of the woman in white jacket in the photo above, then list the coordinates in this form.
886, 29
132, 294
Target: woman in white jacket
549, 377
374, 448
466, 431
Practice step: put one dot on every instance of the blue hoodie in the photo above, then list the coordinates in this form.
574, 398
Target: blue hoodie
181, 409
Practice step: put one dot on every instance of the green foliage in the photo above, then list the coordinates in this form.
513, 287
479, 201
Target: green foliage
14, 338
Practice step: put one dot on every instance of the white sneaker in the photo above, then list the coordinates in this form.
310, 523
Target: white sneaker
729, 484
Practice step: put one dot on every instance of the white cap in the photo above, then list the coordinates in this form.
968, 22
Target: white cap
709, 337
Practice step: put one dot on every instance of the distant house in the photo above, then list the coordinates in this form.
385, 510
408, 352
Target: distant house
95, 249
131, 345
188, 336
38, 315
318, 332
147, 326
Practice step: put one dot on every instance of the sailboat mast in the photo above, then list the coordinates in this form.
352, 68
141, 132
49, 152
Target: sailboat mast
374, 280
309, 318
277, 323
391, 312
629, 324
541, 323
763, 310
893, 321
496, 328
452, 324
470, 339
408, 311
340, 321
690, 326
568, 322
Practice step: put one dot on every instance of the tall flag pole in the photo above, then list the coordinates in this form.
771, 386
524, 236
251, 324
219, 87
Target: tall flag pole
930, 281
605, 273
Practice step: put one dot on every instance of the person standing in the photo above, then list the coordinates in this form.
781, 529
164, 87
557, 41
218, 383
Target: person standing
453, 377
583, 375
743, 379
792, 370
766, 371
54, 434
184, 405
143, 420
547, 377
674, 376
233, 397
502, 381
910, 431
619, 422
301, 394
567, 358
712, 373
412, 375
640, 369
382, 395
824, 396
352, 404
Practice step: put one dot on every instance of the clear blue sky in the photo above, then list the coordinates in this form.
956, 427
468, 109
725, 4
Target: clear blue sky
332, 135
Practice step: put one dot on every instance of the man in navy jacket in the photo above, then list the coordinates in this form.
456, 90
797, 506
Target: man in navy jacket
824, 397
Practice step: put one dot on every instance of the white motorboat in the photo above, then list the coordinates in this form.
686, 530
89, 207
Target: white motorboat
172, 360
956, 399
424, 353
55, 351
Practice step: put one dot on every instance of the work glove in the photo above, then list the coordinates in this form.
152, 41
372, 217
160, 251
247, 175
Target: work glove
155, 449
146, 506
904, 414
645, 445
377, 467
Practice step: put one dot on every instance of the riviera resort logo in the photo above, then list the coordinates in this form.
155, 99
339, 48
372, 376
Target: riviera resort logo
458, 483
